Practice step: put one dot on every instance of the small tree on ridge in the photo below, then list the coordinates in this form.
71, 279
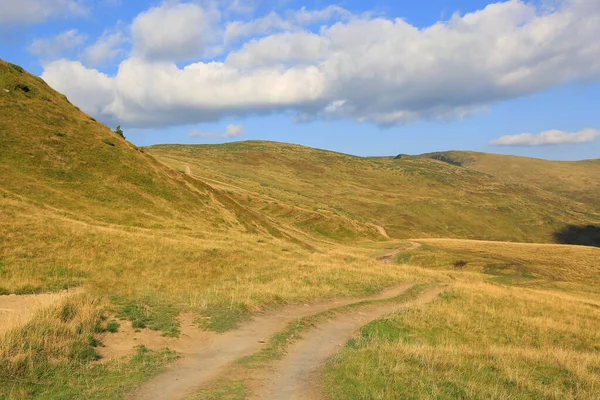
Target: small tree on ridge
119, 131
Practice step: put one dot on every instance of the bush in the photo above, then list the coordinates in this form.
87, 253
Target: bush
17, 67
460, 264
22, 87
108, 142
119, 131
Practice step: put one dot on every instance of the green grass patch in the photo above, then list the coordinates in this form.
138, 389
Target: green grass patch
223, 317
223, 390
110, 381
150, 312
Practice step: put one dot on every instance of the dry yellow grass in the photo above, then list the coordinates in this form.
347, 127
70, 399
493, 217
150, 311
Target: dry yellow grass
479, 341
570, 268
577, 180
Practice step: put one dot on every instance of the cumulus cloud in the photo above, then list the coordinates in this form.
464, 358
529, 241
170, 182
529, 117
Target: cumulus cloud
53, 48
274, 22
105, 49
91, 90
369, 69
231, 131
32, 11
288, 47
171, 32
551, 137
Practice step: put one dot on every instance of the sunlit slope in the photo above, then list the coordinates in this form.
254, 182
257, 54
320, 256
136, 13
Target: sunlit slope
577, 180
52, 155
409, 197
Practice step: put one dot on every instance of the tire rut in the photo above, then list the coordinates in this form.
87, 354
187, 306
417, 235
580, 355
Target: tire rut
211, 357
296, 376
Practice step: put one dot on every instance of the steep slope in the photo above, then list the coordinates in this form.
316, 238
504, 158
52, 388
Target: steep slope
54, 156
577, 180
79, 203
408, 196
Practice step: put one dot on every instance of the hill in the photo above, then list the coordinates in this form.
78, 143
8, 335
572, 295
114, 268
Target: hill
407, 196
576, 180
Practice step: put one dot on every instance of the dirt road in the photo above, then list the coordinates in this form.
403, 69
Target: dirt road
386, 258
209, 358
296, 377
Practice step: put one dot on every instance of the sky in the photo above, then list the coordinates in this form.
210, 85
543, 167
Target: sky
373, 78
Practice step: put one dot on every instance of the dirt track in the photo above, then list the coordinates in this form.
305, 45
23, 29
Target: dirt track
210, 357
296, 377
388, 257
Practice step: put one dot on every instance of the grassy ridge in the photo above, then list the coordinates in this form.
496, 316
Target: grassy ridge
576, 180
332, 194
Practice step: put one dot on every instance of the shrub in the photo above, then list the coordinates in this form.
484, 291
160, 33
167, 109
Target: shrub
108, 142
460, 264
119, 131
17, 67
22, 87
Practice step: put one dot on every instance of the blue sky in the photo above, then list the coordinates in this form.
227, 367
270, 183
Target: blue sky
366, 78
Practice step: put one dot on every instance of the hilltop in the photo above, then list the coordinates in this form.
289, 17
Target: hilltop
575, 180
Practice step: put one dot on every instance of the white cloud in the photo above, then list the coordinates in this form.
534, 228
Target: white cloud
106, 48
242, 6
159, 94
231, 131
32, 11
296, 47
92, 91
269, 23
53, 48
171, 32
273, 22
370, 69
307, 17
551, 137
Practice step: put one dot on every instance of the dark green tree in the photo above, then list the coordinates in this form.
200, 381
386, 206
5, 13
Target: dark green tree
119, 131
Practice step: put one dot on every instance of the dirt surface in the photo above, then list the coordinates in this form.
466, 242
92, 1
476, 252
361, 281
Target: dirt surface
16, 310
123, 342
386, 258
382, 231
205, 358
297, 375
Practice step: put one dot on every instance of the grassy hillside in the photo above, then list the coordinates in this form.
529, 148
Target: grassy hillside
577, 180
409, 196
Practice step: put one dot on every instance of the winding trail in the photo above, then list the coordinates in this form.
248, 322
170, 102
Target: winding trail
296, 376
211, 357
386, 258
